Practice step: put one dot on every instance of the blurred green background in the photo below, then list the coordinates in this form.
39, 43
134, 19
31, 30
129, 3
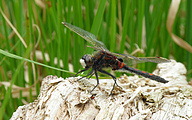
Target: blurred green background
122, 25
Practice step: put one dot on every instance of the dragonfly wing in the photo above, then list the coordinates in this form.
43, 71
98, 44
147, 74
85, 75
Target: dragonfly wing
154, 59
91, 38
131, 60
128, 59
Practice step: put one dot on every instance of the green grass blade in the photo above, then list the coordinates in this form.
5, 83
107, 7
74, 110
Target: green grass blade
125, 27
113, 26
189, 36
25, 59
140, 20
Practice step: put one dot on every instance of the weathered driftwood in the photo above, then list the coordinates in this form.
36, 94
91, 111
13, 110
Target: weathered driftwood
140, 98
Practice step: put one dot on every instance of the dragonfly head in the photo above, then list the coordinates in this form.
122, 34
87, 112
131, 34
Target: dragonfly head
87, 60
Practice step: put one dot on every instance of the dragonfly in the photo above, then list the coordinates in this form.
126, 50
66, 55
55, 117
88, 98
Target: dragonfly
103, 58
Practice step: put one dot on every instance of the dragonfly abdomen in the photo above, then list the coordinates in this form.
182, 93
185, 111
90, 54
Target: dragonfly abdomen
145, 74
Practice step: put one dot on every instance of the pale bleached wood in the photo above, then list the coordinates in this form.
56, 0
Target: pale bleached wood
141, 98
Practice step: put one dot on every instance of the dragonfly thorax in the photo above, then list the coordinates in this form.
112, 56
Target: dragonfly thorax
87, 60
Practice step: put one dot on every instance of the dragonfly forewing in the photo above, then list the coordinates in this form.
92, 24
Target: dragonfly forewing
91, 38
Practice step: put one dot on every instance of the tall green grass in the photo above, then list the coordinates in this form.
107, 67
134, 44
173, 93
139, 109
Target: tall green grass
119, 24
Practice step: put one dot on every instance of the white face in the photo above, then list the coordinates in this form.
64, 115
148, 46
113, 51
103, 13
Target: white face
82, 62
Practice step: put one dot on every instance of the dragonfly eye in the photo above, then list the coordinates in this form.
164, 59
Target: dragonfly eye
87, 59
120, 59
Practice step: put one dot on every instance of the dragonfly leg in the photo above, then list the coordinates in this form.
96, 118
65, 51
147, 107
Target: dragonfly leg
86, 68
114, 78
90, 73
97, 81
